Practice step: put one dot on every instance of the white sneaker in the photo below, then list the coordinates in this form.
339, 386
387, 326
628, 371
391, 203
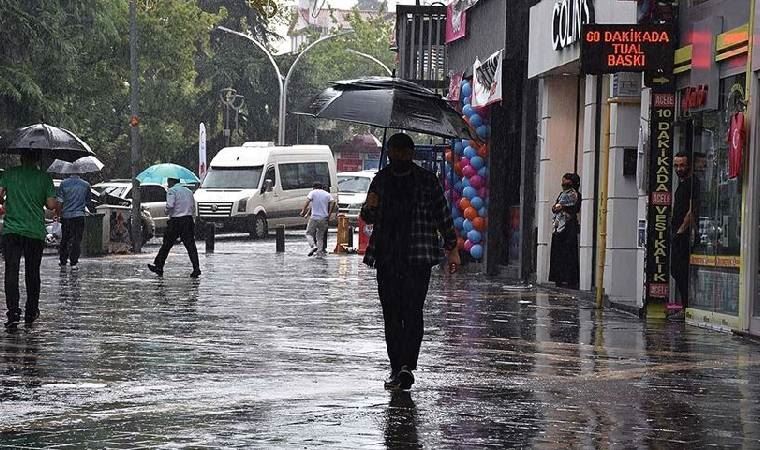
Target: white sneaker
74, 268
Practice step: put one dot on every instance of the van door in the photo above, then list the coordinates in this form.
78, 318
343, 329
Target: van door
271, 198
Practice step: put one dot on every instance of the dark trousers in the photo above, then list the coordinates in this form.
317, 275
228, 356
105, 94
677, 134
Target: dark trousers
679, 265
72, 231
402, 295
17, 246
184, 229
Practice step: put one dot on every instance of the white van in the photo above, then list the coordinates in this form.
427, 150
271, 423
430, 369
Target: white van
260, 186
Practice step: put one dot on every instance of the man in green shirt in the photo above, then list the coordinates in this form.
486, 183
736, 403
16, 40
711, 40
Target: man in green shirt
24, 190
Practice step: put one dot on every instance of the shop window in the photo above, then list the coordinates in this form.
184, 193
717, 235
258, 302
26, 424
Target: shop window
716, 203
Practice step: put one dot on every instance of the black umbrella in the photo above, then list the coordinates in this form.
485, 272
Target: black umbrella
388, 103
50, 141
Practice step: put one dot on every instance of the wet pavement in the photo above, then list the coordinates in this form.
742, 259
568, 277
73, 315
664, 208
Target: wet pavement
281, 351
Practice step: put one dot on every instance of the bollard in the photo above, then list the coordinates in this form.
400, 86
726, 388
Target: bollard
280, 238
350, 237
210, 233
342, 244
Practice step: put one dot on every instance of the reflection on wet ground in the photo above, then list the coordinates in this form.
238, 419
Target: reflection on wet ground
278, 350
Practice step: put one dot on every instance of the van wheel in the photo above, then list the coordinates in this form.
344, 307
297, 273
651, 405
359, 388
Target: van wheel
260, 227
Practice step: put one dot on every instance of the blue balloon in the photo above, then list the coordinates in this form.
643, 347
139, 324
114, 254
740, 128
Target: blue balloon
484, 131
483, 172
476, 251
455, 213
466, 100
466, 89
470, 192
458, 222
477, 162
458, 147
470, 152
476, 202
476, 120
483, 212
459, 186
467, 110
467, 225
474, 236
465, 183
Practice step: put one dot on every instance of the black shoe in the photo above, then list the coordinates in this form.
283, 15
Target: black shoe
30, 319
312, 251
392, 382
405, 378
12, 324
156, 270
195, 273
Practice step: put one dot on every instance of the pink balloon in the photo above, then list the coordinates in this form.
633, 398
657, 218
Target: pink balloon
464, 162
476, 181
469, 171
468, 245
483, 193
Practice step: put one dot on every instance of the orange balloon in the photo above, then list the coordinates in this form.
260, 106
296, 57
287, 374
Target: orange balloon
479, 223
470, 213
449, 156
458, 168
464, 203
460, 243
483, 151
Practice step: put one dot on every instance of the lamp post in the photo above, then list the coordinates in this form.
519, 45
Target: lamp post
371, 58
283, 81
134, 122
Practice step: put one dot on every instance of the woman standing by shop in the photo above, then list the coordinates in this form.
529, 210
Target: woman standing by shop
564, 263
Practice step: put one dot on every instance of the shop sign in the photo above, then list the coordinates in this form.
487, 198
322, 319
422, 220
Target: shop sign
660, 194
455, 86
568, 16
694, 98
486, 80
612, 48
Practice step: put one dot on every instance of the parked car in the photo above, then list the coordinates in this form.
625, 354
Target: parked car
259, 186
352, 192
152, 197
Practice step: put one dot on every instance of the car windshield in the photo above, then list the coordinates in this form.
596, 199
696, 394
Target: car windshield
232, 178
353, 184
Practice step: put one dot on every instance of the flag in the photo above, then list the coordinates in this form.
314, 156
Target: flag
202, 152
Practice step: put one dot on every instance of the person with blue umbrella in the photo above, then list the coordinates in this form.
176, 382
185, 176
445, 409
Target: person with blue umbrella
161, 173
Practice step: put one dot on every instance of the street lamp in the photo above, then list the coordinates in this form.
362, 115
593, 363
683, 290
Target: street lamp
371, 58
283, 81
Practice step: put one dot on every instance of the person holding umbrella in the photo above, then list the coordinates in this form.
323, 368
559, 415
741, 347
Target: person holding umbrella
73, 195
407, 206
24, 191
180, 206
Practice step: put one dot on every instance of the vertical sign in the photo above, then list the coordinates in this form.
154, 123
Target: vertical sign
660, 185
202, 152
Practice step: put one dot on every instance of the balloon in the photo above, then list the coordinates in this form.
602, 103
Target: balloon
458, 223
474, 236
478, 223
458, 168
483, 151
483, 172
460, 243
476, 251
450, 156
455, 196
466, 90
484, 131
458, 186
476, 120
470, 152
470, 192
483, 193
470, 213
455, 212
476, 181
467, 110
466, 100
458, 147
468, 245
477, 162
464, 203
464, 162
467, 225
465, 182
468, 171
477, 202
473, 144
483, 212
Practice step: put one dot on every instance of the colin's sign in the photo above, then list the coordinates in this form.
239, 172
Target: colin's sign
568, 17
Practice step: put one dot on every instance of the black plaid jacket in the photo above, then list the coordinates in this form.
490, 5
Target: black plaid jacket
430, 216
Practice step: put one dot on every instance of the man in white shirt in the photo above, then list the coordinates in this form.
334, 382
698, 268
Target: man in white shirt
180, 206
322, 207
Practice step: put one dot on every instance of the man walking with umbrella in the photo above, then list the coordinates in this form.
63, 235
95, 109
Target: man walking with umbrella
73, 195
408, 209
24, 191
180, 205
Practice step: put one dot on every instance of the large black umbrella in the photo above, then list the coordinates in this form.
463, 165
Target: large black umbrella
388, 103
50, 141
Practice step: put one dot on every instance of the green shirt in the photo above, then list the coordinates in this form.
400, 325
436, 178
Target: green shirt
27, 190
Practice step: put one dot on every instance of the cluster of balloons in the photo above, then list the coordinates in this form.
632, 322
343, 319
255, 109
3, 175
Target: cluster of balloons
466, 179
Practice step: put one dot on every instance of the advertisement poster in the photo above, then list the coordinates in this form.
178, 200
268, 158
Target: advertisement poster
486, 80
456, 19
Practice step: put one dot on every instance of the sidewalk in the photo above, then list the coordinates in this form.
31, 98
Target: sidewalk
274, 350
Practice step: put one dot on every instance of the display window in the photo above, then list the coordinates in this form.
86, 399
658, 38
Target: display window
716, 197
